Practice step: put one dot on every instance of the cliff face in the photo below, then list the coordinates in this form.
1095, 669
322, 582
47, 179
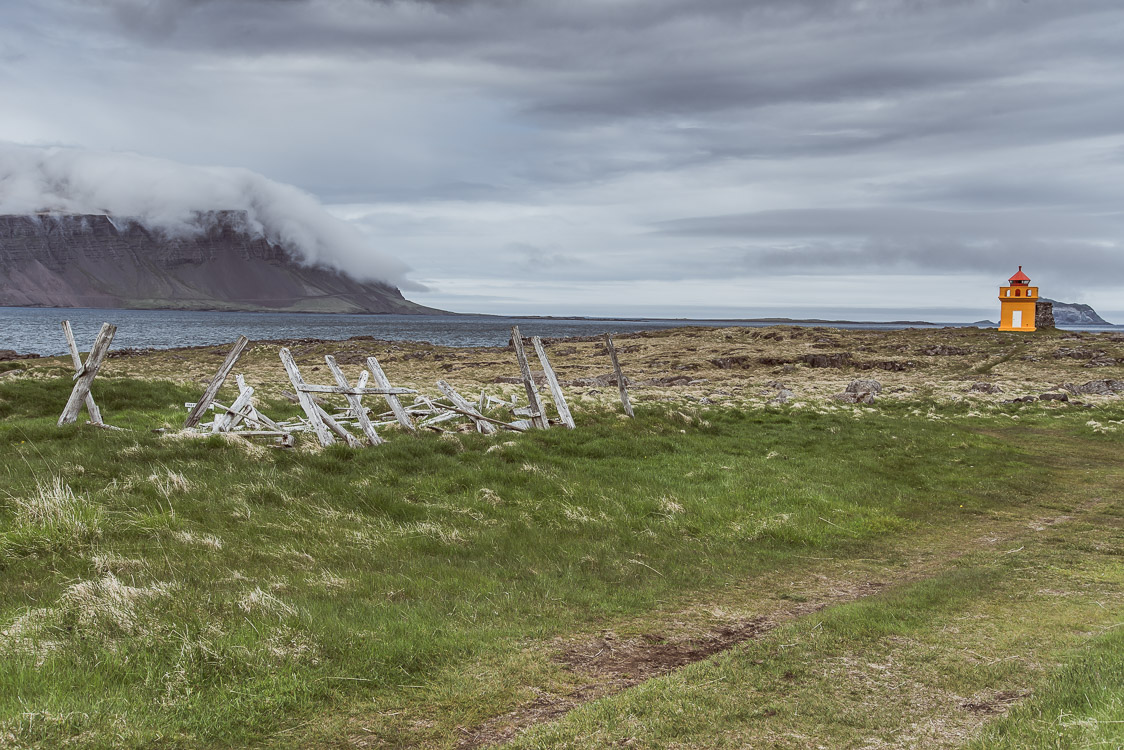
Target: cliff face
96, 261
1072, 314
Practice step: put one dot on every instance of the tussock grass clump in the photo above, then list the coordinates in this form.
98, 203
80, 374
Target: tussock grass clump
51, 519
101, 610
263, 602
106, 608
170, 483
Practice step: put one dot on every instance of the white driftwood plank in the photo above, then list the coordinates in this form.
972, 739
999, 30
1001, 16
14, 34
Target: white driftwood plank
440, 418
337, 428
349, 391
382, 381
357, 408
91, 407
539, 420
458, 401
226, 421
552, 381
620, 376
311, 410
89, 371
519, 426
216, 382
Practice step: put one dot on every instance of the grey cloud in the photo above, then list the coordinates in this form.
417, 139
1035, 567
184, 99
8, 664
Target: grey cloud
788, 135
1046, 262
896, 222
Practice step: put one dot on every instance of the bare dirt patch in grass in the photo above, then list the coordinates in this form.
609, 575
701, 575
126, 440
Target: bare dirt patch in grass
614, 663
997, 703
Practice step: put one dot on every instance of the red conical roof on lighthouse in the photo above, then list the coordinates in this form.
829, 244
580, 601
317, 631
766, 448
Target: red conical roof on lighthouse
1020, 276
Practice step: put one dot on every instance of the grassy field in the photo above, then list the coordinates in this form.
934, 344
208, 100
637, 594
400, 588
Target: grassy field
928, 572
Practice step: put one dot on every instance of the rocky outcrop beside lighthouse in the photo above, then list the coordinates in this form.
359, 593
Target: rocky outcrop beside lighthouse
1044, 314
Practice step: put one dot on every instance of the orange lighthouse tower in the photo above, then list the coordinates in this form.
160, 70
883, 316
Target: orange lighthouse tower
1017, 304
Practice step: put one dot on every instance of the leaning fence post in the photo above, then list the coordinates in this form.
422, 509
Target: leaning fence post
538, 416
305, 399
200, 407
620, 376
382, 381
86, 374
552, 381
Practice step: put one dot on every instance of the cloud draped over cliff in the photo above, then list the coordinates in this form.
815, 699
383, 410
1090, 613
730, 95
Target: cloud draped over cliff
544, 156
177, 199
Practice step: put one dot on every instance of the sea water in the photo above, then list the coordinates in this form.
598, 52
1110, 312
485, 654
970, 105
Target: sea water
38, 330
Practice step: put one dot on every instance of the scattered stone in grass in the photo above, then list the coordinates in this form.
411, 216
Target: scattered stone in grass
1096, 387
1066, 352
839, 359
943, 350
985, 388
864, 386
890, 365
1063, 397
672, 381
783, 396
740, 362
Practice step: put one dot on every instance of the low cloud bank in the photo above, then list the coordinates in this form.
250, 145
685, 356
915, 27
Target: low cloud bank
180, 200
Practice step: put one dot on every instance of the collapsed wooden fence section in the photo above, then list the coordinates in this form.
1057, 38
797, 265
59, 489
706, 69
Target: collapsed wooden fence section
243, 418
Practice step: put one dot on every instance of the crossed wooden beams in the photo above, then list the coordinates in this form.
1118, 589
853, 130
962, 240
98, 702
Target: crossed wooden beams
323, 424
208, 396
326, 427
85, 373
243, 410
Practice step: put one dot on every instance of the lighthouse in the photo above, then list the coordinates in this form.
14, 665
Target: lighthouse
1017, 303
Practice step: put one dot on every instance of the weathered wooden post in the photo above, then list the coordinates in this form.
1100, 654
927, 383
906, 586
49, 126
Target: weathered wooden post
200, 407
353, 401
76, 358
620, 376
382, 381
555, 389
311, 410
86, 374
538, 417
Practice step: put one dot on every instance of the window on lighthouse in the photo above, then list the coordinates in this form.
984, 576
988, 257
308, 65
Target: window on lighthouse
1018, 293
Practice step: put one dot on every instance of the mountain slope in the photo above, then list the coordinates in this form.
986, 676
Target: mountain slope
52, 260
1073, 314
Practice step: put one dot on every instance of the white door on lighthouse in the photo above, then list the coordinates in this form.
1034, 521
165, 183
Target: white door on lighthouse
1016, 318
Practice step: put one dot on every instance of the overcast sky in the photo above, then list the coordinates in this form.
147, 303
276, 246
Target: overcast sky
734, 158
